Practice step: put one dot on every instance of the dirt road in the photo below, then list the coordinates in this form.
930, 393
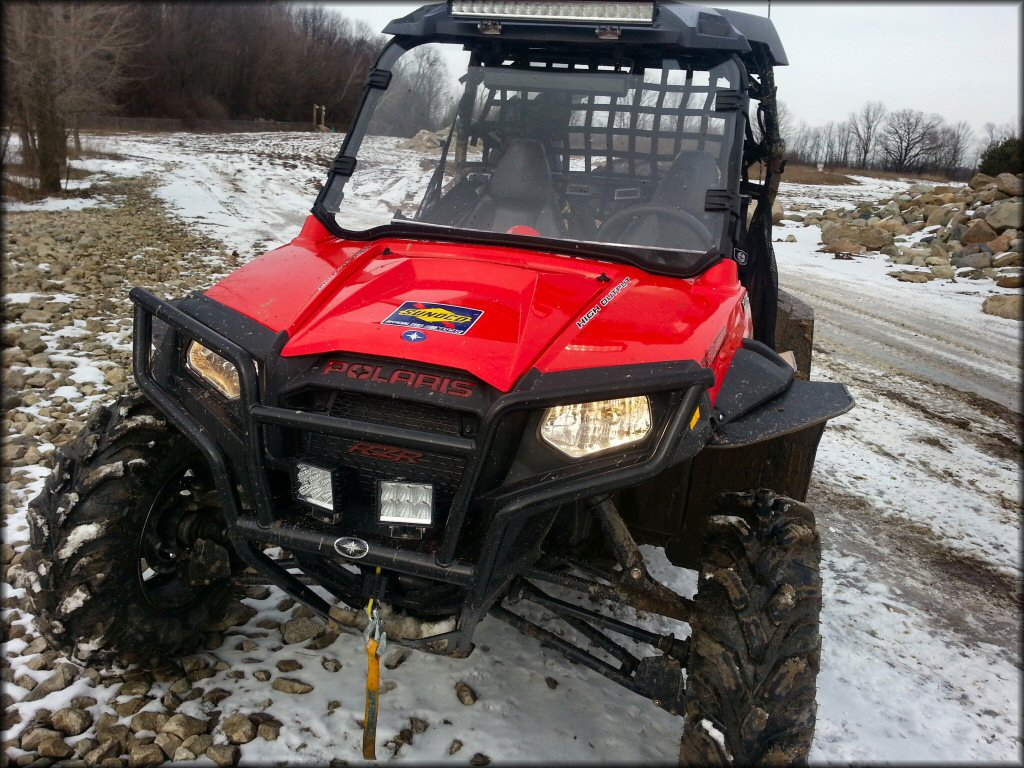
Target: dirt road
917, 495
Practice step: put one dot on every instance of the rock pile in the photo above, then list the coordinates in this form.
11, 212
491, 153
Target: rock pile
974, 232
424, 140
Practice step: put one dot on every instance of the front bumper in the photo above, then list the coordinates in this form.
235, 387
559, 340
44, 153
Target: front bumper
499, 509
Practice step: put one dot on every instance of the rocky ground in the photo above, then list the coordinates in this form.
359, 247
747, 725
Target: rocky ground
67, 317
971, 232
66, 278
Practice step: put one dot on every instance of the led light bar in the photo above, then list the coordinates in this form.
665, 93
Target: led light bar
533, 10
314, 485
406, 503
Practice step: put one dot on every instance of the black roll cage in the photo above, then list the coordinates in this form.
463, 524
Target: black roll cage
664, 261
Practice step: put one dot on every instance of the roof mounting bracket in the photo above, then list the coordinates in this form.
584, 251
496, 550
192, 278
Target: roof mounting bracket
728, 101
379, 78
720, 200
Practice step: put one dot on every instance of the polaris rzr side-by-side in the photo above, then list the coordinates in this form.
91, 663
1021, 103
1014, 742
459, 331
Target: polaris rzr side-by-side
488, 374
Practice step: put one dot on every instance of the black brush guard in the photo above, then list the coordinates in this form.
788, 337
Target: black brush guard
495, 573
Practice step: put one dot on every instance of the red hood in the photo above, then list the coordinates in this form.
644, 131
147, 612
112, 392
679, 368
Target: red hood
520, 309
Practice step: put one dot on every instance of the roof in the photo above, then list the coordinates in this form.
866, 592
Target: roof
677, 27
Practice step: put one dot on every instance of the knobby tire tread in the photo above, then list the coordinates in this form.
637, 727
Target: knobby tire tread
85, 593
755, 648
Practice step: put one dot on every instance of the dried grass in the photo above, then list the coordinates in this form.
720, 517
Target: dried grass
798, 173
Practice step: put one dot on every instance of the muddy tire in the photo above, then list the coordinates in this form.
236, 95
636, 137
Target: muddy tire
114, 533
755, 647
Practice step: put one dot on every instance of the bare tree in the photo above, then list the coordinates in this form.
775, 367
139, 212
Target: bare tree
419, 96
907, 138
865, 126
785, 120
62, 59
844, 143
951, 148
798, 144
996, 134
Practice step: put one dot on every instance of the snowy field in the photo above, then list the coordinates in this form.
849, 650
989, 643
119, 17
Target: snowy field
917, 492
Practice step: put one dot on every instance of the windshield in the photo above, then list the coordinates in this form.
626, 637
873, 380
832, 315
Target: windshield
622, 156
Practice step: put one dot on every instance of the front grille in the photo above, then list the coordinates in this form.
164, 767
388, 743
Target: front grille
361, 463
396, 413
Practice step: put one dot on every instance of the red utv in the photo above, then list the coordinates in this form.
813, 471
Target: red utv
489, 373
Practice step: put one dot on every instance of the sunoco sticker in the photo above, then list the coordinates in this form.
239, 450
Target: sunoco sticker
443, 318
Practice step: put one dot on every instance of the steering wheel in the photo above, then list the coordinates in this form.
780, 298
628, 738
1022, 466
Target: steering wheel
617, 224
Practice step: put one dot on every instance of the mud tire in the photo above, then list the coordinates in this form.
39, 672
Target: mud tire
755, 647
82, 570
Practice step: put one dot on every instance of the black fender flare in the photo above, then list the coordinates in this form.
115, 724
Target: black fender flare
761, 399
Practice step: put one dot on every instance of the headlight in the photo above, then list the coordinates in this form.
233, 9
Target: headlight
213, 368
586, 428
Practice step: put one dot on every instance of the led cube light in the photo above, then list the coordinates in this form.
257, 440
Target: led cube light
406, 503
314, 485
591, 11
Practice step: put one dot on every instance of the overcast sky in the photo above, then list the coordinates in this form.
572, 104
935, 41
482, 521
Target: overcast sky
960, 60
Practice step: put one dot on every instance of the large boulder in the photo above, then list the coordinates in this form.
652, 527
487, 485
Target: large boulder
1008, 259
978, 231
1009, 306
844, 246
1002, 243
871, 238
424, 140
913, 277
1010, 185
1006, 215
980, 181
972, 260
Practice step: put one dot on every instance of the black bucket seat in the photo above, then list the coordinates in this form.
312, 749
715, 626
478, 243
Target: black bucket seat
519, 193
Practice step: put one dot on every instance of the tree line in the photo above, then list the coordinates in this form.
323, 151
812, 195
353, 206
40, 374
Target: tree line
64, 62
902, 140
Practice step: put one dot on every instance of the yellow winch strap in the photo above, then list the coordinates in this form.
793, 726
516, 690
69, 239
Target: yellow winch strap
369, 605
372, 689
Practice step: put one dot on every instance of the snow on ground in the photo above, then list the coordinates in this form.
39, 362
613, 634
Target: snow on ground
917, 491
918, 496
250, 190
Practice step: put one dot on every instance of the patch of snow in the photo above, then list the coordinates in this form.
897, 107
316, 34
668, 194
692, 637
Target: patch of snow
81, 535
74, 601
715, 734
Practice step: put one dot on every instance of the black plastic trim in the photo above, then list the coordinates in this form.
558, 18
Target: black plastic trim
333, 425
344, 165
379, 78
729, 101
804, 404
720, 200
658, 261
757, 374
